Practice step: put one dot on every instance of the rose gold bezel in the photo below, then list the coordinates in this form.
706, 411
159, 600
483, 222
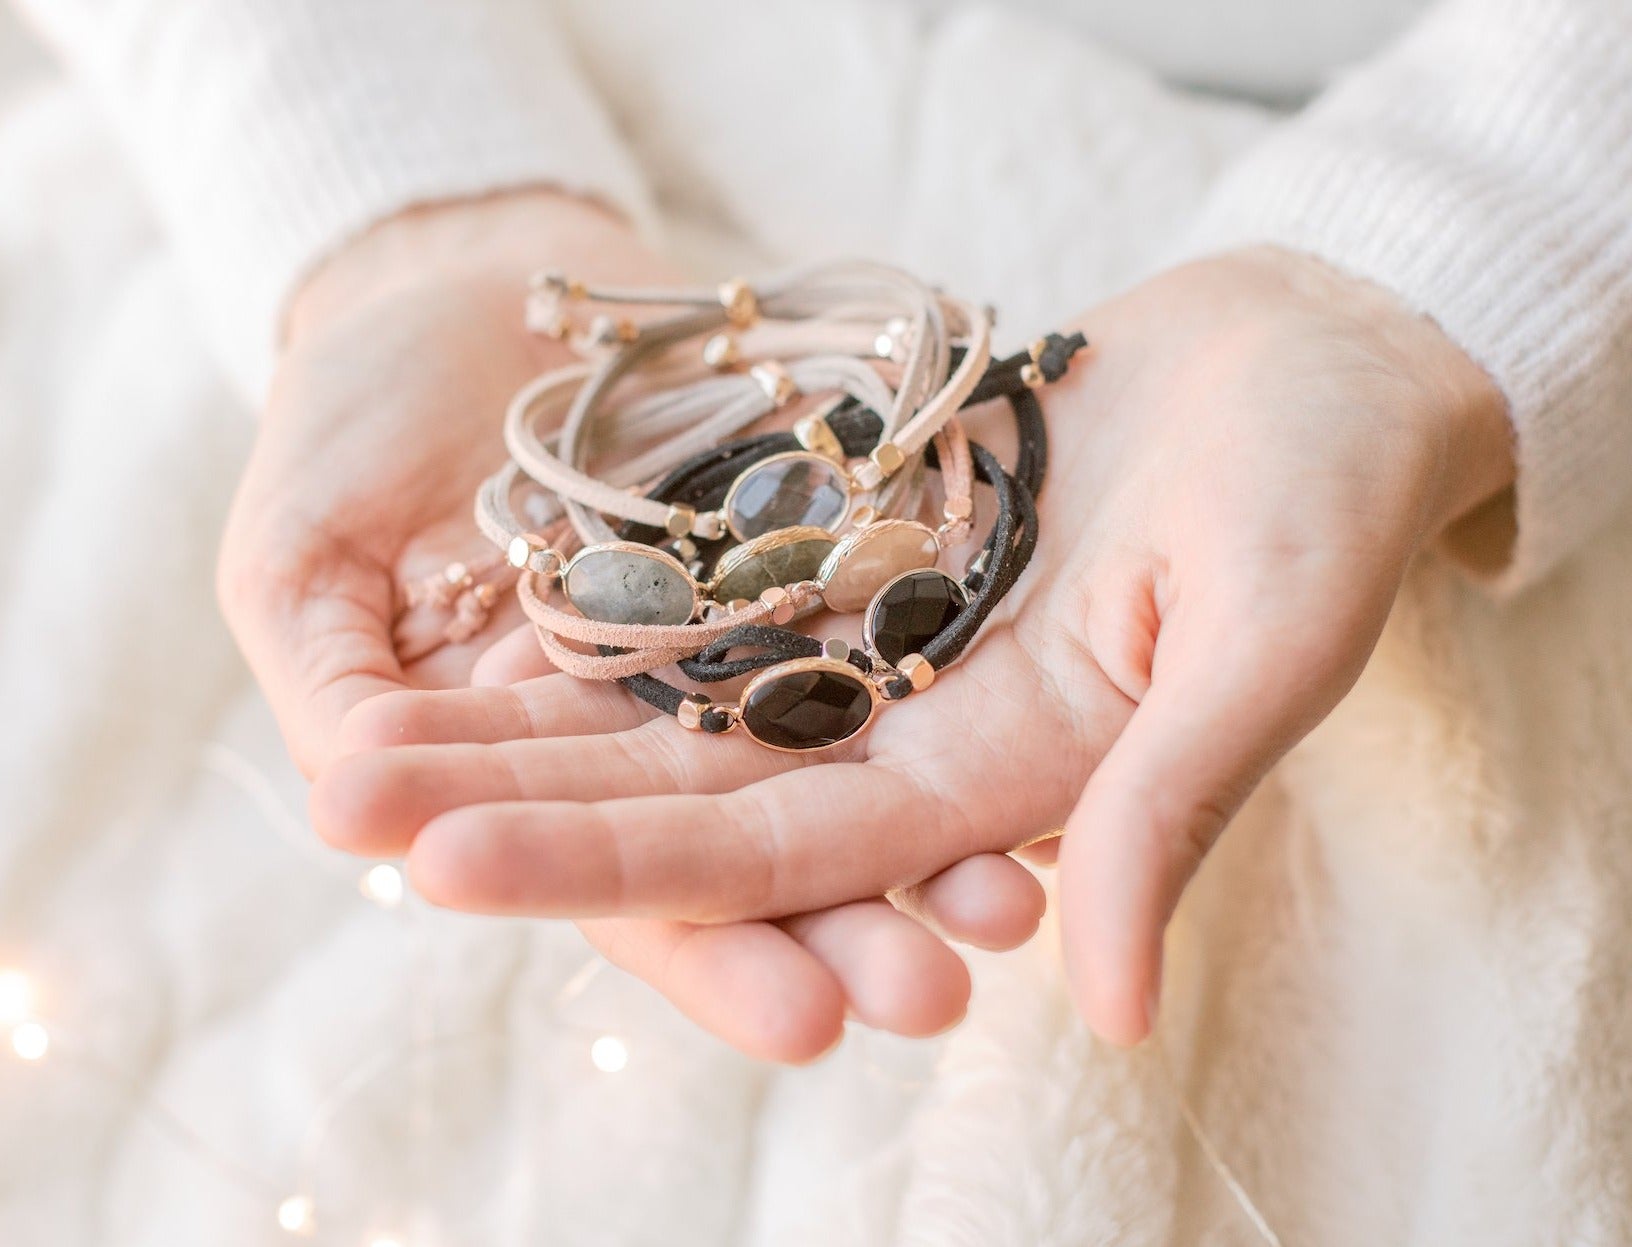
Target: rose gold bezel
798, 666
811, 456
859, 537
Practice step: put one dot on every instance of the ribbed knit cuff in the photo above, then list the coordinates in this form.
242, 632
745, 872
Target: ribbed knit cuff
1482, 171
270, 131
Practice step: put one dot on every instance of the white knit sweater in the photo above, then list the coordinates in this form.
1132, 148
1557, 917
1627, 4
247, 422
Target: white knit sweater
1481, 168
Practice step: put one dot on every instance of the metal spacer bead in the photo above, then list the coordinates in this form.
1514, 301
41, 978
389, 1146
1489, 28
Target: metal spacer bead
919, 670
835, 649
739, 301
887, 458
863, 516
816, 435
530, 552
779, 387
1032, 376
781, 603
679, 520
689, 714
721, 351
456, 574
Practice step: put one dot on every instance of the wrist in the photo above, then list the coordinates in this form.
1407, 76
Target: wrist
1455, 415
499, 240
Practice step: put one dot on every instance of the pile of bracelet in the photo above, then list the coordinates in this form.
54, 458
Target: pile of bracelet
678, 536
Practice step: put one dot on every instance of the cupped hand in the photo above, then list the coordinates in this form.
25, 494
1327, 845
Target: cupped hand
1242, 472
403, 351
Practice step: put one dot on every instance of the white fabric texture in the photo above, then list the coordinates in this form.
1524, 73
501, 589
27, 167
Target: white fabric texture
1396, 994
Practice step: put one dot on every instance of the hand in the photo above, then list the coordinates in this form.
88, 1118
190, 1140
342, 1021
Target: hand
385, 414
1243, 471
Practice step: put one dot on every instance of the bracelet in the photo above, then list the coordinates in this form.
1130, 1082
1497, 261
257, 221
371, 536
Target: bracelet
811, 695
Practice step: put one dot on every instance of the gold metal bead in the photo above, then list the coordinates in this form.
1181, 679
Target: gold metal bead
781, 603
689, 713
680, 520
887, 458
836, 649
779, 387
919, 670
709, 525
740, 304
1036, 349
456, 574
1032, 376
721, 351
816, 435
863, 516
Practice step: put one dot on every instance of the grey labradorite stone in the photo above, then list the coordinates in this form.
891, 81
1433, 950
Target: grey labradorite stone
787, 491
624, 585
774, 561
807, 709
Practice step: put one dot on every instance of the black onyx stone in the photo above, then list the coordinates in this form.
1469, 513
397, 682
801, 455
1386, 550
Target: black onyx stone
911, 611
807, 709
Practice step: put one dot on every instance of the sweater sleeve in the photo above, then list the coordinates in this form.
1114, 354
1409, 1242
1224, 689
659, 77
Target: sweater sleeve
1482, 170
267, 132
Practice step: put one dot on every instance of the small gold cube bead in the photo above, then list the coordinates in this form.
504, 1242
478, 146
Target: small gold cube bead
863, 516
866, 476
740, 304
835, 649
680, 520
888, 458
779, 387
721, 351
1032, 376
690, 711
518, 552
918, 669
1036, 349
816, 435
781, 604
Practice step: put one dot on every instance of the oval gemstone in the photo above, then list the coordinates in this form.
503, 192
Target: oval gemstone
774, 561
872, 556
806, 709
629, 584
911, 611
787, 491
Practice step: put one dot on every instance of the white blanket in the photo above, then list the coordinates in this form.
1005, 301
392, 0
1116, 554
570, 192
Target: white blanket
1355, 985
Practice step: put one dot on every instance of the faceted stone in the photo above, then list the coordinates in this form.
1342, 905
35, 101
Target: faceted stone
911, 611
807, 709
787, 491
869, 558
775, 560
624, 583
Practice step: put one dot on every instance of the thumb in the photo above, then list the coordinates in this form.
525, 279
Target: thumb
1211, 725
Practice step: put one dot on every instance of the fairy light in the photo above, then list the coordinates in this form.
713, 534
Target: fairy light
609, 1054
295, 1215
16, 997
383, 885
30, 1041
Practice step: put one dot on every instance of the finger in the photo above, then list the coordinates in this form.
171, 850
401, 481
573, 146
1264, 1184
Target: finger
554, 705
514, 657
1043, 852
820, 836
374, 803
316, 631
989, 900
751, 983
1209, 729
896, 975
